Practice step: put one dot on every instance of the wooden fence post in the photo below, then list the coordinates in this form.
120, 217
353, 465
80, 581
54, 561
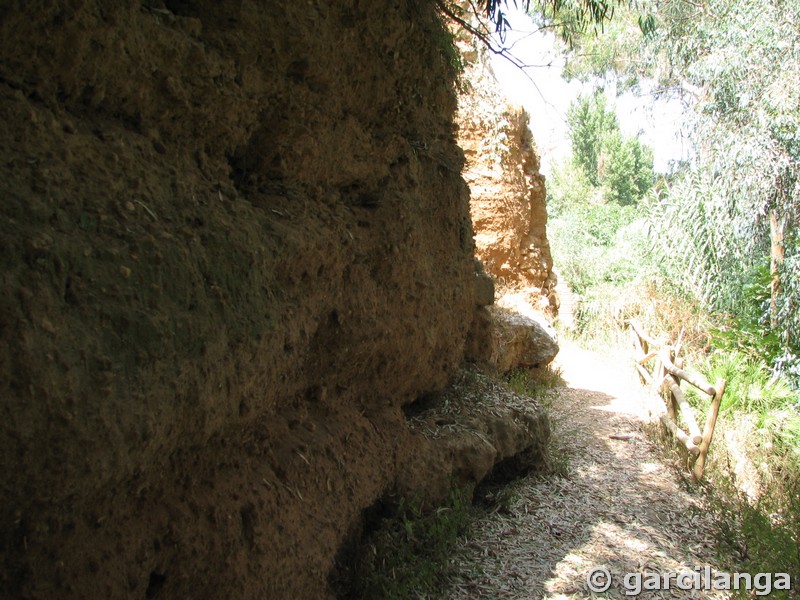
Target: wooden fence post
708, 432
688, 412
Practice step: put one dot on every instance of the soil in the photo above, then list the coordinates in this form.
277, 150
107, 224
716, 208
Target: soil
235, 243
616, 503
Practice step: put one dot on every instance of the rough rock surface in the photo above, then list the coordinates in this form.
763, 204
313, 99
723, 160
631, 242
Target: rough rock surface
509, 215
521, 333
520, 340
508, 196
235, 242
484, 286
472, 427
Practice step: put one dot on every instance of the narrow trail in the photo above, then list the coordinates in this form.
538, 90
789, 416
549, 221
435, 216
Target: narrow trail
617, 505
568, 302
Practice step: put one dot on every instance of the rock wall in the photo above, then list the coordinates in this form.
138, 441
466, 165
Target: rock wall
235, 242
508, 196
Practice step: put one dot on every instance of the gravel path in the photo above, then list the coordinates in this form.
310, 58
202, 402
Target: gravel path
616, 504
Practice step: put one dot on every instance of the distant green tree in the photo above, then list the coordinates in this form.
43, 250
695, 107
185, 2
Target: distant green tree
625, 169
589, 124
643, 169
567, 187
618, 164
616, 170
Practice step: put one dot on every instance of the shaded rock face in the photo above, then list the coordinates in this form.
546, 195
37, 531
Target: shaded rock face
235, 242
508, 196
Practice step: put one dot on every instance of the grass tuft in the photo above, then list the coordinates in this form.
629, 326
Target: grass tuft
535, 383
407, 554
758, 537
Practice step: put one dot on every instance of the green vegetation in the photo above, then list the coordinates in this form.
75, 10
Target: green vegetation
594, 198
589, 124
620, 166
570, 18
731, 213
535, 383
711, 253
407, 553
761, 535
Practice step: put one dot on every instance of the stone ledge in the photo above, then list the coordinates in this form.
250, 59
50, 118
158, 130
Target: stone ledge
470, 428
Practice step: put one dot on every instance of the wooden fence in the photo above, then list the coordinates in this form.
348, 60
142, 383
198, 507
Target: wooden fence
666, 376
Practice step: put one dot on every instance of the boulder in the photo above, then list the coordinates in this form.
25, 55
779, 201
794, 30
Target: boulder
521, 340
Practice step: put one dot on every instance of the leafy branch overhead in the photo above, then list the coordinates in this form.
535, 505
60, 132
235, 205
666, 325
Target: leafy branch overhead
569, 18
579, 14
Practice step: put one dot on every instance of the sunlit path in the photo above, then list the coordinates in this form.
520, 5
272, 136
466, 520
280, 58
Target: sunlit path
615, 505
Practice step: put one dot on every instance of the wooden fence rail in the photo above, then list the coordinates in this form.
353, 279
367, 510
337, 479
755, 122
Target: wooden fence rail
666, 377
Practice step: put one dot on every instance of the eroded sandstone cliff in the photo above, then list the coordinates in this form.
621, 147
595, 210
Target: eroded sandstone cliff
235, 242
508, 196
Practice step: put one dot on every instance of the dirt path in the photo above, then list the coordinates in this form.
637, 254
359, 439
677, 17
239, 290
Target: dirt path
568, 303
617, 505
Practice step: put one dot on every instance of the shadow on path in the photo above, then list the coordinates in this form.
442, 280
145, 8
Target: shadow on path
615, 503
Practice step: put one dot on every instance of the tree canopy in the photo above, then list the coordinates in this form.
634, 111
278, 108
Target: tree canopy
620, 164
733, 211
570, 19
